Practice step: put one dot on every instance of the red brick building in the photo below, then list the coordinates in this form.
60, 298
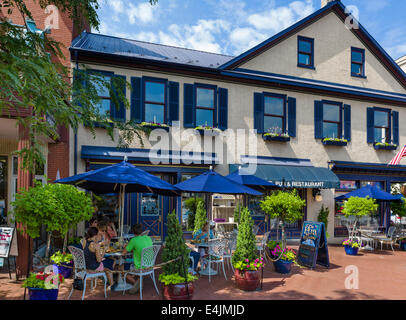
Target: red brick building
13, 137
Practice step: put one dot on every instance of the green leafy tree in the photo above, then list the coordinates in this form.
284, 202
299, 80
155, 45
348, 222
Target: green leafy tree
246, 241
358, 207
58, 207
237, 212
285, 206
323, 217
31, 79
175, 247
191, 205
201, 216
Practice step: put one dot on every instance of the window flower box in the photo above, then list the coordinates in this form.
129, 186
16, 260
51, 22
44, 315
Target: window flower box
335, 142
207, 130
276, 137
385, 146
153, 125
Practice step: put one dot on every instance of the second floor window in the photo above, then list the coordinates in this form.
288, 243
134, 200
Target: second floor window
382, 126
332, 121
155, 101
305, 56
274, 114
100, 81
205, 107
357, 62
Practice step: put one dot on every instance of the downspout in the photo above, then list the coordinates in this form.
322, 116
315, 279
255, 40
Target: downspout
75, 161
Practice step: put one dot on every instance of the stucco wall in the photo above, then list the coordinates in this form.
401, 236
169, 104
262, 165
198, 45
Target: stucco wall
332, 46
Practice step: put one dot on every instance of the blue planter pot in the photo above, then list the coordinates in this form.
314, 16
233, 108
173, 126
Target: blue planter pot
403, 246
282, 266
351, 251
43, 294
65, 269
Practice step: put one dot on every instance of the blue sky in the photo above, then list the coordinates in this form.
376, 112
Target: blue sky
233, 26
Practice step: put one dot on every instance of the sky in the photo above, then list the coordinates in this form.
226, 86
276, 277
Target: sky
231, 27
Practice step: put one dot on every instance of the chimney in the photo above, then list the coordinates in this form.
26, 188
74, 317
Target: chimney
325, 2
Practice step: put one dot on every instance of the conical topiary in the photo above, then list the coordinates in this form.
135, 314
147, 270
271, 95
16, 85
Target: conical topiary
175, 247
201, 216
246, 241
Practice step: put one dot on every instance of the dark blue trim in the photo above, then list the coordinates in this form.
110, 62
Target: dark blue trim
215, 99
305, 39
316, 82
367, 166
314, 86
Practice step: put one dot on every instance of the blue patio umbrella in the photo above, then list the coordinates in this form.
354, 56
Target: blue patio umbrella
212, 182
372, 192
121, 178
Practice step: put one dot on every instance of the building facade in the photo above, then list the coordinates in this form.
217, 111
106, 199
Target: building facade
317, 79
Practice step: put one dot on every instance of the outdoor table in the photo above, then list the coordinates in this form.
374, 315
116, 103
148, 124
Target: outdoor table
369, 233
121, 284
205, 271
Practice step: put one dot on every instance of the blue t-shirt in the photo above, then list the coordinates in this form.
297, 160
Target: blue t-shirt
203, 238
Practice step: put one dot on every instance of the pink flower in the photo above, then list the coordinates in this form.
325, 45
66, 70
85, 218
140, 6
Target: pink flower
246, 260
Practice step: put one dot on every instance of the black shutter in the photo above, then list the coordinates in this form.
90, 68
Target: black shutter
318, 120
395, 127
173, 114
189, 114
347, 122
119, 88
259, 112
223, 108
370, 125
292, 117
137, 114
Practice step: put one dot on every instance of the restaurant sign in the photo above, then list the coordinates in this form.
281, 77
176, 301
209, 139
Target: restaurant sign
313, 245
301, 184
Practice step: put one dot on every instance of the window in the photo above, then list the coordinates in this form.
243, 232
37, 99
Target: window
274, 113
332, 120
305, 56
205, 106
357, 62
100, 81
155, 101
382, 126
150, 204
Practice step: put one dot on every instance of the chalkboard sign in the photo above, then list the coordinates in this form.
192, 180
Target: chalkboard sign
8, 242
313, 245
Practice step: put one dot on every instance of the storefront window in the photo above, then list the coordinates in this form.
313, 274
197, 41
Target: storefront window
107, 205
348, 185
254, 205
379, 184
150, 204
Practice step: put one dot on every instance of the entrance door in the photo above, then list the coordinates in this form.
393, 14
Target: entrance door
3, 189
153, 209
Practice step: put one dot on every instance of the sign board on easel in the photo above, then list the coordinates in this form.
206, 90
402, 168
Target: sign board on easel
8, 245
313, 245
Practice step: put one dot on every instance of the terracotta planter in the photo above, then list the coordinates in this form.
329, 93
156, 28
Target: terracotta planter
247, 280
177, 291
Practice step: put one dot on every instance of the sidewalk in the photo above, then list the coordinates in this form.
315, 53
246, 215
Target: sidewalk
381, 276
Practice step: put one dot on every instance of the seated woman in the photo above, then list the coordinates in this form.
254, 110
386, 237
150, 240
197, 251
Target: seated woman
94, 254
110, 231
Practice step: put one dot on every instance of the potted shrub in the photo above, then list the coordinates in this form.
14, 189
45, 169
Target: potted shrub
283, 258
323, 217
334, 142
175, 275
64, 263
245, 259
58, 207
43, 286
191, 205
351, 247
201, 217
286, 206
358, 207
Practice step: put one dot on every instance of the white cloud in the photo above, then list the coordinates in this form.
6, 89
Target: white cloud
144, 13
243, 39
117, 6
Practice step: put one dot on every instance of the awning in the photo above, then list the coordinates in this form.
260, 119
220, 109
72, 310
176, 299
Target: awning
292, 176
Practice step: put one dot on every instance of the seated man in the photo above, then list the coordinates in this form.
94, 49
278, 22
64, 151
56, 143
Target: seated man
136, 245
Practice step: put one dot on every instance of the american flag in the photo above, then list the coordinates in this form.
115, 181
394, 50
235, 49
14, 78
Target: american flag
396, 160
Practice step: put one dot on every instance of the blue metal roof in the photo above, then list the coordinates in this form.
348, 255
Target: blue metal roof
92, 42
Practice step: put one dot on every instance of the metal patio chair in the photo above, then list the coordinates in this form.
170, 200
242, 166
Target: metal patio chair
216, 251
